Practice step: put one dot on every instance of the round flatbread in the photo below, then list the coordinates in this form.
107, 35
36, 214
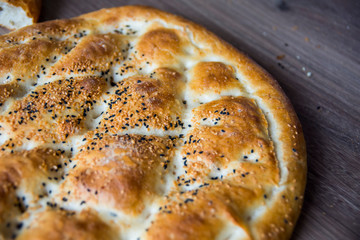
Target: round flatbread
133, 123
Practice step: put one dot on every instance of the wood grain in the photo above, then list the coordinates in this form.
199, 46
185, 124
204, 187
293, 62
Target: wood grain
312, 48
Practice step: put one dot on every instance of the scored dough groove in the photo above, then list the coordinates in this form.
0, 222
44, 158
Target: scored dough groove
137, 124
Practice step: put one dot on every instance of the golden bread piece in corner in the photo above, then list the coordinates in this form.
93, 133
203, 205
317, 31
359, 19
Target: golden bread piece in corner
15, 14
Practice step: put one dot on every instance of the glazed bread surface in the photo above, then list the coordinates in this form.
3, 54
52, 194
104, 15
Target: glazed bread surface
133, 123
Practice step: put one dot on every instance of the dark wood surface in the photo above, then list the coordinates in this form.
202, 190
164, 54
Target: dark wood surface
312, 48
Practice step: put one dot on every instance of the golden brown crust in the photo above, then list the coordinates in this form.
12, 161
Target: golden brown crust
120, 171
149, 101
49, 30
213, 77
160, 45
21, 60
236, 122
96, 49
226, 157
24, 170
53, 112
60, 225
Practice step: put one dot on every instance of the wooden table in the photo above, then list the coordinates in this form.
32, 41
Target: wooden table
312, 48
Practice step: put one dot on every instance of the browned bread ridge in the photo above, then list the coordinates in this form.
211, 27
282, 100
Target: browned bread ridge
133, 123
16, 14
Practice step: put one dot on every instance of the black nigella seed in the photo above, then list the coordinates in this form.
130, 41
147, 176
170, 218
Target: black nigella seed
19, 226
